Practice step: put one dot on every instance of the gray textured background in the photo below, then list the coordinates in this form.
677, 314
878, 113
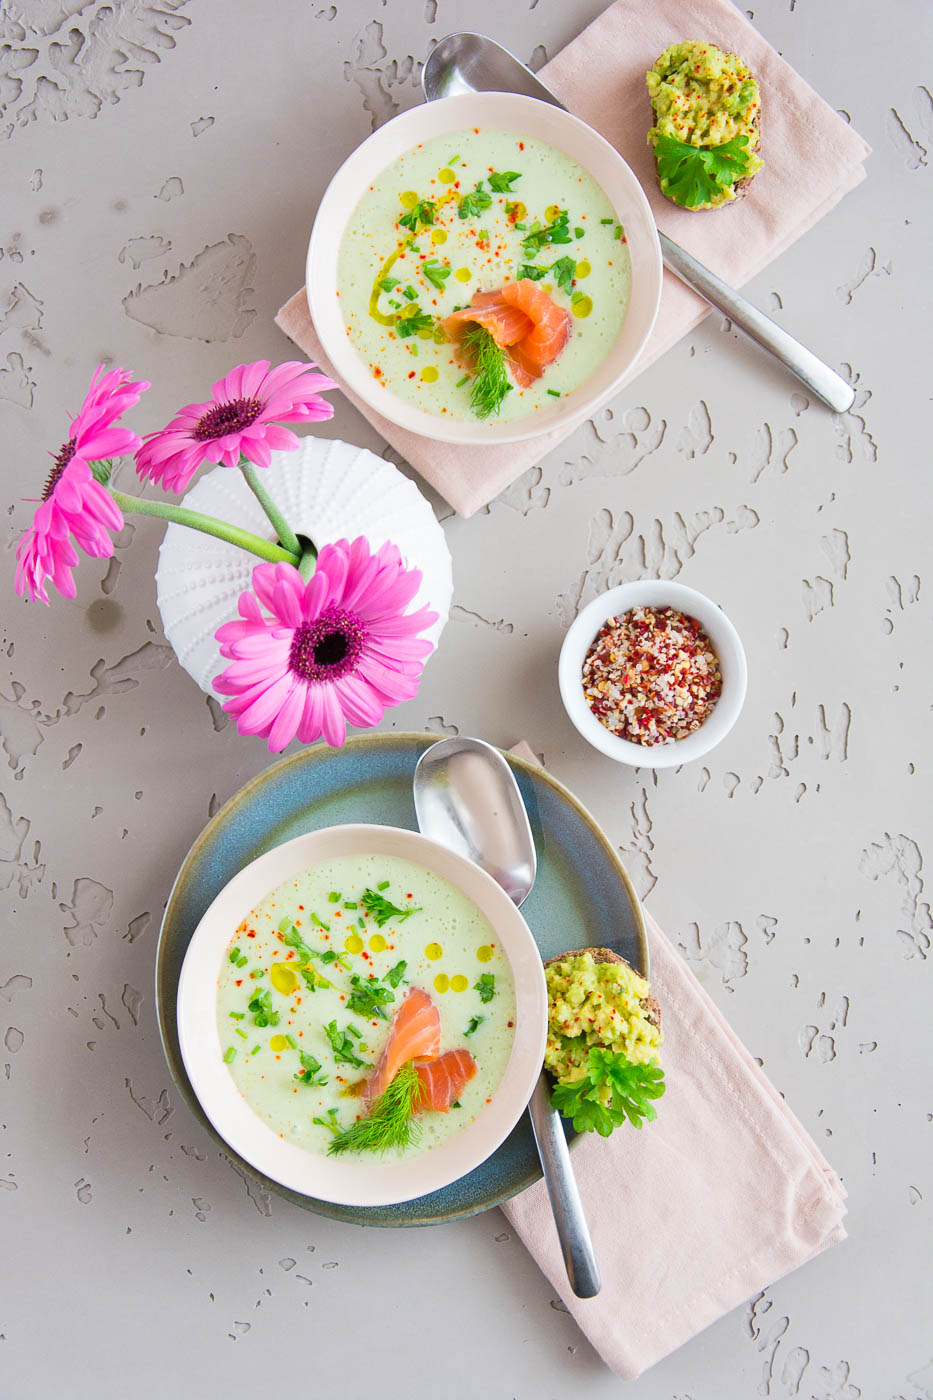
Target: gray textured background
161, 167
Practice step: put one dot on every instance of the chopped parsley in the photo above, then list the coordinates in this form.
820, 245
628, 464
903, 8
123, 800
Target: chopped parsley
330, 1122
694, 176
475, 1023
502, 181
579, 232
369, 997
420, 216
261, 1007
613, 1090
310, 1072
343, 1047
473, 204
486, 986
383, 909
539, 236
435, 272
534, 274
563, 271
396, 974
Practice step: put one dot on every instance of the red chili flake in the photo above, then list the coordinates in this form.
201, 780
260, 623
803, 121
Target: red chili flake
239, 982
251, 933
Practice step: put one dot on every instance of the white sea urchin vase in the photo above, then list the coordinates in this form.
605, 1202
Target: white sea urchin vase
327, 490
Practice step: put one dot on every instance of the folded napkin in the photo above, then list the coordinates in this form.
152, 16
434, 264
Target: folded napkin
812, 158
694, 1214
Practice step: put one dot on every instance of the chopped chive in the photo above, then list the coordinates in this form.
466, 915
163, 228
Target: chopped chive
383, 884
460, 382
320, 923
242, 961
353, 1031
238, 1015
453, 160
255, 1050
334, 897
230, 1055
241, 1032
234, 954
410, 292
394, 304
256, 973
285, 925
361, 921
521, 227
350, 904
605, 221
579, 232
618, 231
291, 1042
554, 393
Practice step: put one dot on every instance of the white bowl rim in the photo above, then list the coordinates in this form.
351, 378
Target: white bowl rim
360, 1182
499, 111
726, 643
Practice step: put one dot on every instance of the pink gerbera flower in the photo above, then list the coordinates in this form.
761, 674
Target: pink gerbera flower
74, 505
242, 418
337, 648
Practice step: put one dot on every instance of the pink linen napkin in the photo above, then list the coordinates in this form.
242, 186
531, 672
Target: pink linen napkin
812, 158
695, 1213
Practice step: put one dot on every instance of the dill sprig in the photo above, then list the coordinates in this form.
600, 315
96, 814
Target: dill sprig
490, 376
390, 1122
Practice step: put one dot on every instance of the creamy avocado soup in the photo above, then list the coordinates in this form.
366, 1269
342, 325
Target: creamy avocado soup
465, 214
315, 974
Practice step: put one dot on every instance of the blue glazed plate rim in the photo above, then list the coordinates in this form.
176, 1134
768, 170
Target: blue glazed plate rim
166, 984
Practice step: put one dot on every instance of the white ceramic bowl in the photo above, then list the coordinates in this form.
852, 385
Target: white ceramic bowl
361, 1181
653, 593
504, 112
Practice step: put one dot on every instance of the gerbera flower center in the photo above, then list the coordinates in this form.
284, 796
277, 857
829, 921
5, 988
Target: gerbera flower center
232, 416
61, 462
328, 648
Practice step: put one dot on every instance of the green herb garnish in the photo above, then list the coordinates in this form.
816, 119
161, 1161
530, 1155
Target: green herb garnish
242, 960
319, 923
383, 885
534, 274
261, 1007
486, 986
491, 379
435, 272
420, 216
579, 232
554, 393
473, 204
612, 1091
330, 1122
396, 973
563, 271
238, 1015
350, 904
696, 175
334, 897
411, 325
606, 221
460, 382
383, 909
310, 1072
234, 954
230, 1055
503, 181
342, 1045
475, 1023
539, 237
255, 1050
390, 1122
388, 284
369, 997
238, 1030
293, 939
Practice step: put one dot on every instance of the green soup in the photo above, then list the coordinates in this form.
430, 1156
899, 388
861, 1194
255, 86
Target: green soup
467, 213
287, 1000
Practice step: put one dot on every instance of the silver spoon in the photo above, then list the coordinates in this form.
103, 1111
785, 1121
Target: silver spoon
474, 63
467, 799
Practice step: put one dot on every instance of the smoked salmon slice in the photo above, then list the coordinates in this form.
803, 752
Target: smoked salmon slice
415, 1035
506, 324
551, 327
442, 1080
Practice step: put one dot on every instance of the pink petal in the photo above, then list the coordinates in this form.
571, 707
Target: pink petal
310, 727
333, 724
285, 724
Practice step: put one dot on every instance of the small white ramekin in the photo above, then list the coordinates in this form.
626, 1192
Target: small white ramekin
654, 593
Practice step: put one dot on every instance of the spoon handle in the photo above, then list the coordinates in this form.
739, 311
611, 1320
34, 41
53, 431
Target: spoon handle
572, 1230
825, 382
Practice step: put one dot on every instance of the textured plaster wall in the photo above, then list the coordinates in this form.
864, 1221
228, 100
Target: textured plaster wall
161, 164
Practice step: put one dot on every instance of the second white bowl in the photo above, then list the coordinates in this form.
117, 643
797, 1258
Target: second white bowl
653, 593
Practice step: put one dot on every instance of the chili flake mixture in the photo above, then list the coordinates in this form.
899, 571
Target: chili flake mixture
651, 676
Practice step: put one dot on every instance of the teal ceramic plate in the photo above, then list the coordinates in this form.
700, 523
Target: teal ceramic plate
582, 898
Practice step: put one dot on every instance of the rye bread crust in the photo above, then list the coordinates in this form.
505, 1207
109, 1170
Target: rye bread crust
606, 955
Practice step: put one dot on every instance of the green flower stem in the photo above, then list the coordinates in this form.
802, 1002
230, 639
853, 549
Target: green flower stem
208, 525
284, 532
308, 561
